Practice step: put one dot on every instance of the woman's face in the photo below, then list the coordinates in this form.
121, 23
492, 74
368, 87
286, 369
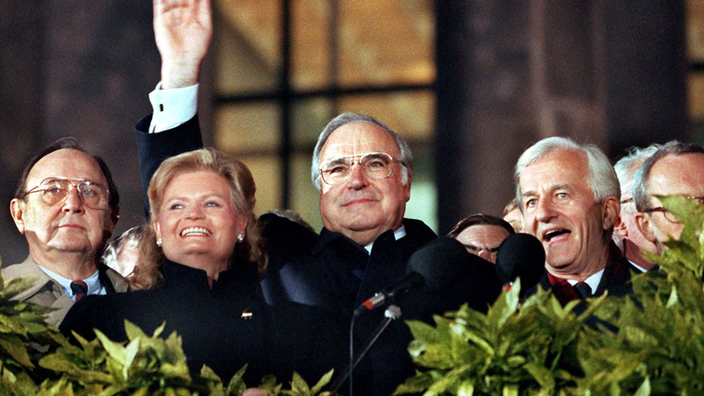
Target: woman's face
197, 222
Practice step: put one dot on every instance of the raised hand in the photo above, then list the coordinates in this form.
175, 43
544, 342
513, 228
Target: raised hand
182, 30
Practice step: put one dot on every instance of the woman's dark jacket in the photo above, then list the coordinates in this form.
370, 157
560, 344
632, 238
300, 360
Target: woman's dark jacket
216, 325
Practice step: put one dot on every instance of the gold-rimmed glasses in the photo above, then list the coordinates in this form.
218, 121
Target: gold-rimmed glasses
54, 190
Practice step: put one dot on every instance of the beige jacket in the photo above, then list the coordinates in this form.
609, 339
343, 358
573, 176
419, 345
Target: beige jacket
49, 293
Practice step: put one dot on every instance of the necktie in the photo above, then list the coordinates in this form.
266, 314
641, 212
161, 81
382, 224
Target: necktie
79, 289
583, 289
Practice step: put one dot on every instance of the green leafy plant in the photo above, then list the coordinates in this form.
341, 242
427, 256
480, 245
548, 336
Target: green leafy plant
36, 359
653, 344
23, 337
145, 365
515, 348
659, 349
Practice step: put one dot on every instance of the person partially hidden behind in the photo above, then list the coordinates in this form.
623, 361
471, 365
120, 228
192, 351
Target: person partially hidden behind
482, 234
627, 234
200, 259
122, 253
512, 214
569, 195
66, 205
676, 168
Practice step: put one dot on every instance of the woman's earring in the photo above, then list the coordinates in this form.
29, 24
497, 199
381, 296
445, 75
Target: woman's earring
240, 238
158, 242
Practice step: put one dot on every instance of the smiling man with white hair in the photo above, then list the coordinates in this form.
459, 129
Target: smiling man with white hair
569, 195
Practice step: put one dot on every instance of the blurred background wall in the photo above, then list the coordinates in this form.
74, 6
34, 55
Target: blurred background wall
470, 84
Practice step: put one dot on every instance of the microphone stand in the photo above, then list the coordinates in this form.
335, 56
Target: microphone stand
393, 312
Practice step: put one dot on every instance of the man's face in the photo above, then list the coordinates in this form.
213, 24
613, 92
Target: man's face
483, 240
630, 233
68, 226
681, 175
561, 211
362, 208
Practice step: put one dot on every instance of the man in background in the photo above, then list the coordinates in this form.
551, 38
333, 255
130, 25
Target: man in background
627, 234
675, 169
482, 234
513, 215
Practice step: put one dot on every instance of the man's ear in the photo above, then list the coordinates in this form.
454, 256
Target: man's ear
611, 212
407, 189
645, 226
114, 217
17, 212
620, 228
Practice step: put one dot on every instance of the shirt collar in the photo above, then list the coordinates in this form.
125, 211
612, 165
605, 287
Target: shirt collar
638, 267
398, 234
93, 282
592, 281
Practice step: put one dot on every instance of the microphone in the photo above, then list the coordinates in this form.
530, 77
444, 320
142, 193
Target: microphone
431, 267
520, 255
399, 289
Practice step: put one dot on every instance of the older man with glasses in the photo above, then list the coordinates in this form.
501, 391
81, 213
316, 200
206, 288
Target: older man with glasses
675, 169
66, 205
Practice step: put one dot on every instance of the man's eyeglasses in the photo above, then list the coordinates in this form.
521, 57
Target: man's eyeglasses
55, 190
375, 165
669, 215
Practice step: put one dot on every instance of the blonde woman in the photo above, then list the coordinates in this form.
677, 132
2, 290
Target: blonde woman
198, 271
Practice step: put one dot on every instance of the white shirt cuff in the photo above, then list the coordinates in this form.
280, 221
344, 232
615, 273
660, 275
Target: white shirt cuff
172, 107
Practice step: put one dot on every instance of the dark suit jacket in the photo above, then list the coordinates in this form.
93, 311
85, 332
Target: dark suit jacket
215, 331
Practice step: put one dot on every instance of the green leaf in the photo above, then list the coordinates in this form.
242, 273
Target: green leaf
236, 384
644, 389
16, 349
324, 380
542, 375
114, 349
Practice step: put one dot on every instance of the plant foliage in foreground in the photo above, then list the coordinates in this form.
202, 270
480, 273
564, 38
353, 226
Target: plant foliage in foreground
36, 359
659, 349
23, 337
515, 348
540, 348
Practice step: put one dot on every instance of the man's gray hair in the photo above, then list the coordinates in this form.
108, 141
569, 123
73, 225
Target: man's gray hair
641, 188
404, 151
626, 167
601, 176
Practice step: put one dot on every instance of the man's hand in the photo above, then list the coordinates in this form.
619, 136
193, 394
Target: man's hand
183, 30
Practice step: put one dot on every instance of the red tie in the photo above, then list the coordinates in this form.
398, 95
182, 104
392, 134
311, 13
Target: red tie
79, 289
562, 289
